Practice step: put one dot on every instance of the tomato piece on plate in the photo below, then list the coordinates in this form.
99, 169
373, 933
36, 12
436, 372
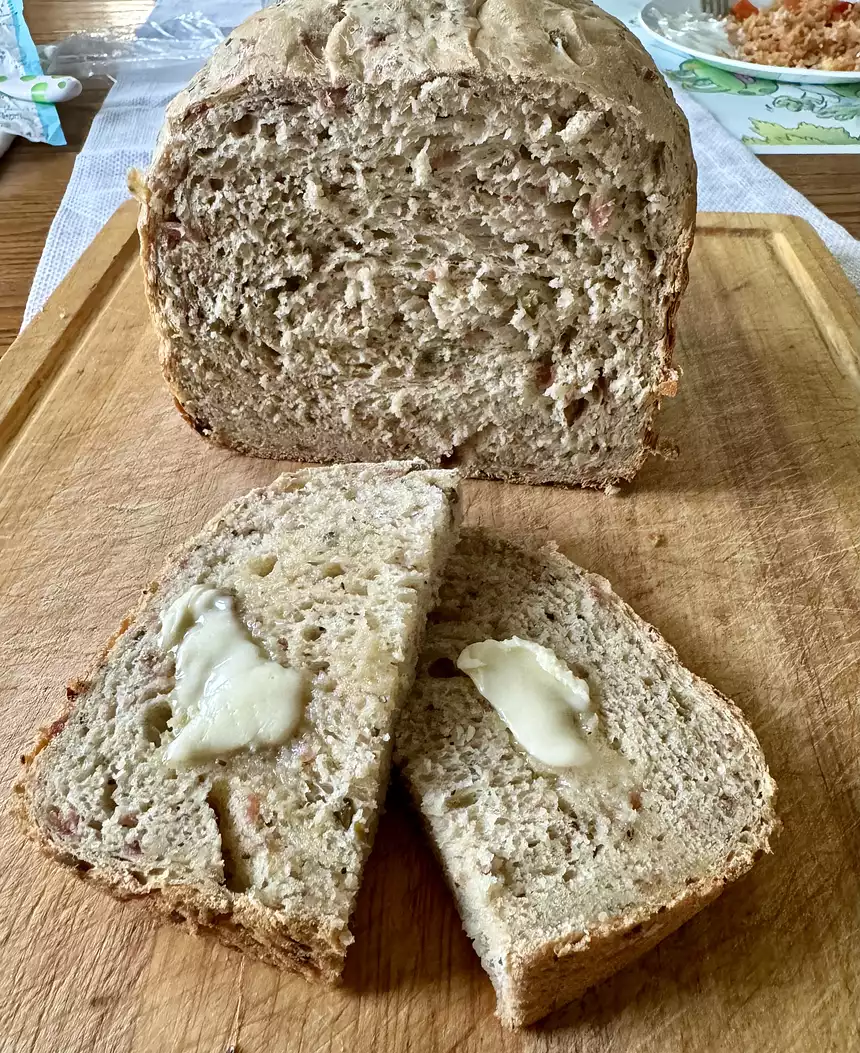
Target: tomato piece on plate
743, 9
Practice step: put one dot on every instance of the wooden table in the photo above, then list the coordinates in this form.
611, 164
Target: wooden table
33, 176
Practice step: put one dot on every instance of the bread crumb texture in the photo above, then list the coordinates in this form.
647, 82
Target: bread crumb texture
448, 229
332, 571
562, 876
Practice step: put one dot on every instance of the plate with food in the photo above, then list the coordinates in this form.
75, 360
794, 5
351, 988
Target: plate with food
801, 41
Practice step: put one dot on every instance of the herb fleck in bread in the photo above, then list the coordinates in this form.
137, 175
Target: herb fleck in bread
455, 230
562, 877
332, 571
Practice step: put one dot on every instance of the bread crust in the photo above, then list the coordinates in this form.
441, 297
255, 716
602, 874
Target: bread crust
201, 910
300, 941
558, 973
538, 980
317, 42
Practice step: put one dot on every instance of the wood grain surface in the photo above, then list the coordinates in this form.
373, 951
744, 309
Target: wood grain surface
744, 551
33, 176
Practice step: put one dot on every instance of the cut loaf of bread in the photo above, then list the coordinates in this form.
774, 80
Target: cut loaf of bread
564, 876
332, 571
451, 229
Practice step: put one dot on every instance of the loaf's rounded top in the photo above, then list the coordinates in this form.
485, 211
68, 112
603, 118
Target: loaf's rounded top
342, 42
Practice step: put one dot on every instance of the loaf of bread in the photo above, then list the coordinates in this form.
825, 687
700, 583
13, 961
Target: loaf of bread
448, 229
330, 573
564, 876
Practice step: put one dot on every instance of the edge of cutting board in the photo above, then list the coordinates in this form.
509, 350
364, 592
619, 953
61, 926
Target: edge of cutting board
32, 361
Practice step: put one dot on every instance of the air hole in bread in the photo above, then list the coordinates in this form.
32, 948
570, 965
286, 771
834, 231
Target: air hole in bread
155, 722
108, 800
443, 669
461, 799
236, 877
545, 374
243, 125
566, 808
332, 570
574, 410
262, 566
292, 284
345, 813
312, 632
216, 184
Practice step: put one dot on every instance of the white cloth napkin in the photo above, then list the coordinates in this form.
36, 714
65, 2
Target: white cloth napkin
124, 132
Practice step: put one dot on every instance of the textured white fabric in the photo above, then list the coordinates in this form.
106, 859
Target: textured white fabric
731, 179
124, 132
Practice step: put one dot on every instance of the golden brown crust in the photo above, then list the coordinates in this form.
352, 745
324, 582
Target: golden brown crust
561, 972
295, 943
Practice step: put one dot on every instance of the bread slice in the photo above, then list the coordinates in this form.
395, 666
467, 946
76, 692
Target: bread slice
564, 876
457, 230
332, 571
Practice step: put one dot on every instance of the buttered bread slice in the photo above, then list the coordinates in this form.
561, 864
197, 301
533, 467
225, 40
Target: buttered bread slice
585, 793
227, 759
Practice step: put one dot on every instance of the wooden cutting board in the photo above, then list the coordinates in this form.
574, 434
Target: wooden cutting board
745, 551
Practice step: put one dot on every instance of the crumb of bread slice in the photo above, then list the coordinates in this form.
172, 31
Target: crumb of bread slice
564, 876
332, 571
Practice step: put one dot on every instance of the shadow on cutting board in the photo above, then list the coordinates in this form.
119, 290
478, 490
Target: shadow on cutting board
407, 930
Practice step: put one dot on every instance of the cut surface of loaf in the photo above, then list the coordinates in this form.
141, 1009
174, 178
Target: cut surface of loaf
563, 876
332, 572
452, 229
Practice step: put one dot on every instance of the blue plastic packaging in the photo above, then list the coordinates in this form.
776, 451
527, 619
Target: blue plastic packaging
38, 122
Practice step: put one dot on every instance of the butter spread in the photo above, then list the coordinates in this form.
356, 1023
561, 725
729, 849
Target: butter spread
229, 695
536, 695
